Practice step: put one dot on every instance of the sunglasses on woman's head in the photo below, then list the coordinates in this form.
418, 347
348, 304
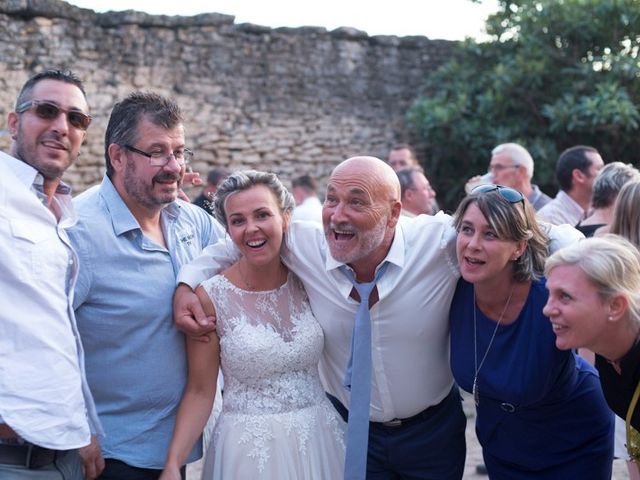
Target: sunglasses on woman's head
511, 195
50, 111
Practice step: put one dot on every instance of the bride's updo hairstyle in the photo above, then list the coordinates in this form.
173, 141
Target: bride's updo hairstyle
244, 180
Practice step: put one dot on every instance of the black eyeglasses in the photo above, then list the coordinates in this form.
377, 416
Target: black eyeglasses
49, 111
511, 195
160, 159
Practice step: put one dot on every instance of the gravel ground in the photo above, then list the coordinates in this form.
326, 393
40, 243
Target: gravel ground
474, 452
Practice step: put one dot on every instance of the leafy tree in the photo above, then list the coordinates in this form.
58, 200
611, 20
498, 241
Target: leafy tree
556, 73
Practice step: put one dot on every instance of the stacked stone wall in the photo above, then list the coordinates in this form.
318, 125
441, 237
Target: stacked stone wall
287, 100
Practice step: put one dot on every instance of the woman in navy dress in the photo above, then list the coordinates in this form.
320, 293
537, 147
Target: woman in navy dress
541, 413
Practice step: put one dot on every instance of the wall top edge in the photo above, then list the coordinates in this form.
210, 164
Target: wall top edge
27, 9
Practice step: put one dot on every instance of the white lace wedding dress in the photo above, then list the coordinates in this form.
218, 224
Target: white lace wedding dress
276, 422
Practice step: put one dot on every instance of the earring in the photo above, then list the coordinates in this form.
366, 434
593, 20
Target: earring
609, 318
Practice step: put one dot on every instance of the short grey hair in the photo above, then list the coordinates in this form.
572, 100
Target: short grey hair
610, 181
519, 155
244, 180
611, 263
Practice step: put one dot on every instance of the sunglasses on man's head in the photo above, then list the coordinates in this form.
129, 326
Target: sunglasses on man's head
511, 195
50, 111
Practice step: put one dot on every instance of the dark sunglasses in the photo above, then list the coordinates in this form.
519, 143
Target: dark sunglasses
50, 111
511, 195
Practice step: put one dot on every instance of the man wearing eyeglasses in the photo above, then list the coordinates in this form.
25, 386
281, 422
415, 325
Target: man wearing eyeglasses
46, 409
511, 165
132, 236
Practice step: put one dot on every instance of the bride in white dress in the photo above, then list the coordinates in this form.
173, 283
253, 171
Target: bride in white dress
276, 422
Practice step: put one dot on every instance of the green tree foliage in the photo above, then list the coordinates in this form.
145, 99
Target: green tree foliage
557, 73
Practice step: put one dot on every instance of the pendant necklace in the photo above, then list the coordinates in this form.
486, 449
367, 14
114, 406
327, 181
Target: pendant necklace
474, 390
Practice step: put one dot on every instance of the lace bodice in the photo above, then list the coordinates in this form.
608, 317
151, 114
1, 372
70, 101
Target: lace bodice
270, 344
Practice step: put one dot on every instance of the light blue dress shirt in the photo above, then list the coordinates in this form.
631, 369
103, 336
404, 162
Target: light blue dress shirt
135, 358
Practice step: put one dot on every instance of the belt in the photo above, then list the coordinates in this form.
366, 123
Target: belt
396, 422
27, 455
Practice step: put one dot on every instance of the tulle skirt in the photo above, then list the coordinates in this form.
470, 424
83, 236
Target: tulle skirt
303, 444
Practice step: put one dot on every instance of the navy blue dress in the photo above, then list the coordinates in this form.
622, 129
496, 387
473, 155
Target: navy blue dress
541, 413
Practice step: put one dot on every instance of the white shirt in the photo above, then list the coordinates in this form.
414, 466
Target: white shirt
562, 209
44, 395
410, 324
309, 209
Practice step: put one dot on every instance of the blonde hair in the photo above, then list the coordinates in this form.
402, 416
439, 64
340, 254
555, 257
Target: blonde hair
626, 213
611, 263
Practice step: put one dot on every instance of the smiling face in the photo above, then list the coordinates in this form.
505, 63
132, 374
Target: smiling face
360, 212
48, 145
482, 255
149, 186
255, 224
577, 313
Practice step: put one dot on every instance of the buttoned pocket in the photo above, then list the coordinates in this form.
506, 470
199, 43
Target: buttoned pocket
38, 253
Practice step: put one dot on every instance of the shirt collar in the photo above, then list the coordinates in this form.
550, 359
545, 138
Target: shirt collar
29, 176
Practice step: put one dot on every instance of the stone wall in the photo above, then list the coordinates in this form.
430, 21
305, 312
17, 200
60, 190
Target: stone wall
287, 100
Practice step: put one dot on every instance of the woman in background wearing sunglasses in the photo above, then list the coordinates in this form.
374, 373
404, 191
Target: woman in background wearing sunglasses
540, 411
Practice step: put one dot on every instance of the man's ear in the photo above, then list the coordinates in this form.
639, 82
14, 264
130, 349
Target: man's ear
395, 214
577, 176
117, 156
12, 123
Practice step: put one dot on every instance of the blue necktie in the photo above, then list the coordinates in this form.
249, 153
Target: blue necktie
359, 369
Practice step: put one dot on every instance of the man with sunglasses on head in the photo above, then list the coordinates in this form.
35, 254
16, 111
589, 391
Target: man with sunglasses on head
46, 409
133, 235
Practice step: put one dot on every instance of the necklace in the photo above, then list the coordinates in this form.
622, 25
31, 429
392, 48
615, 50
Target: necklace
247, 285
476, 393
281, 277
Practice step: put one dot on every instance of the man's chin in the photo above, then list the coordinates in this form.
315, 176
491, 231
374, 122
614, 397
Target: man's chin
340, 255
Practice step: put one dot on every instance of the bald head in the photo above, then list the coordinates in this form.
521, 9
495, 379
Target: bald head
374, 170
360, 213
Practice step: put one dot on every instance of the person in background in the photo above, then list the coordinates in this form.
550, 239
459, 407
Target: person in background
46, 410
417, 195
511, 165
540, 411
576, 171
305, 192
402, 155
205, 199
594, 303
626, 213
276, 421
132, 237
606, 188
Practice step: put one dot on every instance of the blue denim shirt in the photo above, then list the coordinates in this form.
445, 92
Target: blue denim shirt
135, 358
